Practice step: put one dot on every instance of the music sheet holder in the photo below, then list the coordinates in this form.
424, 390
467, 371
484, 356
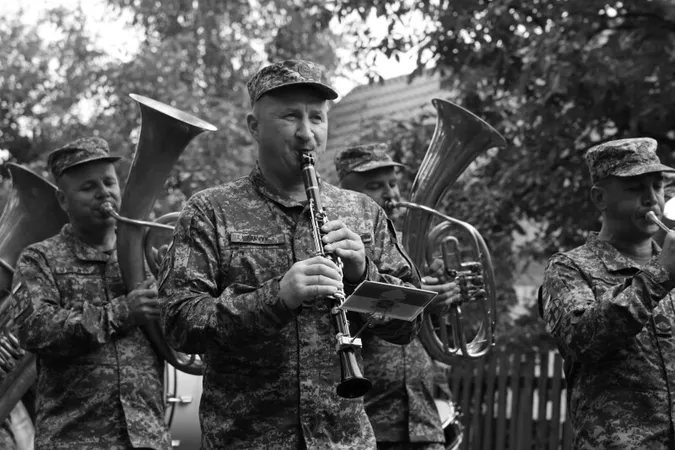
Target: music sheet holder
383, 300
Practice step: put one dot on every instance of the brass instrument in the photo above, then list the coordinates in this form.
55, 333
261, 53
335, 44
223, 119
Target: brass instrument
459, 137
353, 384
21, 224
165, 133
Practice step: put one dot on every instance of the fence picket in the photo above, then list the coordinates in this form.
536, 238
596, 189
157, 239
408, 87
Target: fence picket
489, 424
525, 417
512, 400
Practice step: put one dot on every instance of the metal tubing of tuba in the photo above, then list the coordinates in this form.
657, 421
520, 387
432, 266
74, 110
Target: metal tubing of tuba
459, 137
165, 133
353, 384
110, 210
439, 347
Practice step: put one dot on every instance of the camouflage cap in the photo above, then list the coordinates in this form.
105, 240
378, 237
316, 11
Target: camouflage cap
83, 150
288, 73
363, 158
624, 158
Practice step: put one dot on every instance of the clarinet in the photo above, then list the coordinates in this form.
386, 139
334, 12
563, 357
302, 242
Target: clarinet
353, 384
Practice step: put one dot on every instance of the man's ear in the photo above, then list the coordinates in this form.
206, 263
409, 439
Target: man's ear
599, 197
63, 200
253, 125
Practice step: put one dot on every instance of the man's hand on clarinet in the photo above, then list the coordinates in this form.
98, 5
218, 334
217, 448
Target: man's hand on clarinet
308, 280
348, 246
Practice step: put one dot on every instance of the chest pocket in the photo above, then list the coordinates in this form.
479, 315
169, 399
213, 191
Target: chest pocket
78, 284
257, 258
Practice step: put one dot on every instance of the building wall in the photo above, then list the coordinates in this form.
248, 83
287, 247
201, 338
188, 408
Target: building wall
348, 117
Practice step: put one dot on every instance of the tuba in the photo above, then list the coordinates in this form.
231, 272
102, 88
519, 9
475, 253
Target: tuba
165, 133
21, 224
459, 137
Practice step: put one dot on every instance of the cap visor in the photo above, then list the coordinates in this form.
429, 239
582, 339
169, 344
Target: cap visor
641, 170
372, 165
94, 159
326, 92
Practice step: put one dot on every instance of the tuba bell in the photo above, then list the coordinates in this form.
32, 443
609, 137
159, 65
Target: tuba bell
459, 137
21, 224
165, 133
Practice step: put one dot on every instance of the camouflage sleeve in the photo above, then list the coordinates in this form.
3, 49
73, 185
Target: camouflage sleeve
587, 327
195, 310
389, 263
51, 329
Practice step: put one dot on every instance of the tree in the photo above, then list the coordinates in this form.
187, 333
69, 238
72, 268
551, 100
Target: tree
555, 77
195, 56
42, 85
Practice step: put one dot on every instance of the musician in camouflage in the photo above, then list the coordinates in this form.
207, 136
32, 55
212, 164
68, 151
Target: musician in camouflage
242, 285
100, 383
401, 405
609, 306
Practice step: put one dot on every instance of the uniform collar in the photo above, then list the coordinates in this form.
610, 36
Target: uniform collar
81, 249
267, 190
611, 257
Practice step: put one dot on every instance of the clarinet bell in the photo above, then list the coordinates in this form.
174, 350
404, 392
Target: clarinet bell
353, 384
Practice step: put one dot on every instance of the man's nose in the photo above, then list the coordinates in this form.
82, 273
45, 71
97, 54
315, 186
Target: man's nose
102, 191
304, 130
651, 197
391, 193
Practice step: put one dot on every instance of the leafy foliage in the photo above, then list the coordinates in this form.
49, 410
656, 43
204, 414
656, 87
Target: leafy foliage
195, 56
41, 85
555, 77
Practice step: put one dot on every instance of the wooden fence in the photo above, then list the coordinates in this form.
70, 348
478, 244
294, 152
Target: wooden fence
512, 401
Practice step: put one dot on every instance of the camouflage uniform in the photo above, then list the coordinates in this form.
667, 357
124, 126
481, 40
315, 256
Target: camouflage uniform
271, 372
100, 383
612, 320
401, 405
99, 380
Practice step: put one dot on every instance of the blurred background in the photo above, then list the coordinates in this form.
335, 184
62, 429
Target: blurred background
554, 77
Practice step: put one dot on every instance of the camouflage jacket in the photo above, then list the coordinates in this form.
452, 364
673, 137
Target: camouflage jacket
271, 373
613, 324
401, 405
100, 383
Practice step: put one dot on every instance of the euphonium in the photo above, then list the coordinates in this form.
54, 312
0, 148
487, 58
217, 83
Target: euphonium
21, 224
165, 133
353, 383
459, 137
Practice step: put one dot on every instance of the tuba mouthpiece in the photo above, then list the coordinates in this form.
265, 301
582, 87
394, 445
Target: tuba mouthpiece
108, 208
652, 218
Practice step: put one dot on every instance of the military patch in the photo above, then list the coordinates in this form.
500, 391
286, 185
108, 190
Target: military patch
541, 301
165, 265
20, 306
552, 309
260, 239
